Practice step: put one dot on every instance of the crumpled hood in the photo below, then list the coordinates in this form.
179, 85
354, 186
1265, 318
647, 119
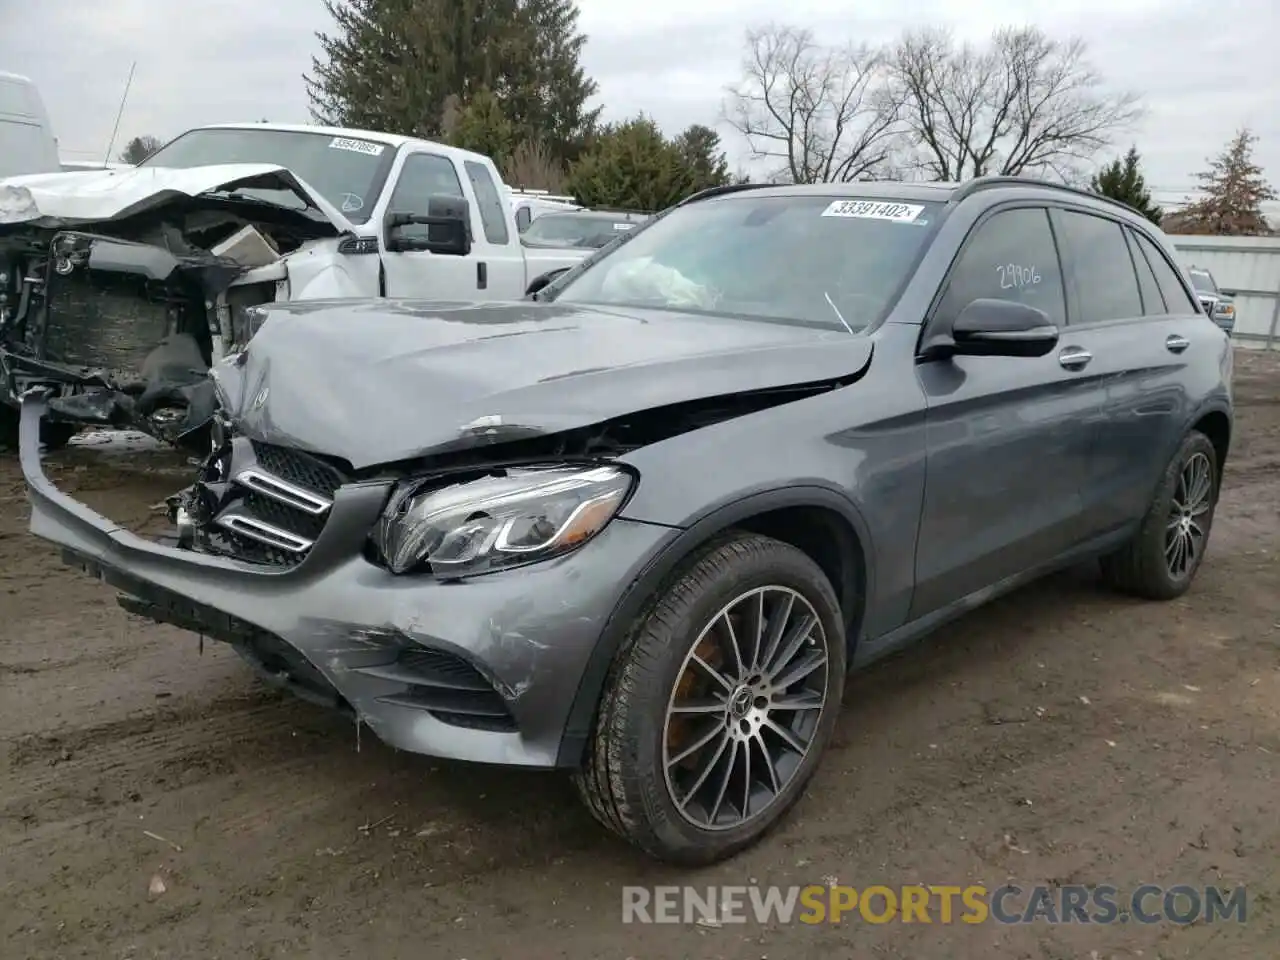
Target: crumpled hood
375, 382
55, 199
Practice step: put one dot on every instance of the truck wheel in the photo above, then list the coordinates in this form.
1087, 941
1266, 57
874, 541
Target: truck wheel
53, 434
1161, 560
719, 704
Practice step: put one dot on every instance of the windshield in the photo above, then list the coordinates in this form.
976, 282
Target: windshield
809, 260
1202, 280
576, 230
348, 173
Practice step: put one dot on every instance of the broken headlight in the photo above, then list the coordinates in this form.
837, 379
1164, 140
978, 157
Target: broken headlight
479, 526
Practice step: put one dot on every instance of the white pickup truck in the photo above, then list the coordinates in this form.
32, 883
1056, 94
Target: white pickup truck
117, 278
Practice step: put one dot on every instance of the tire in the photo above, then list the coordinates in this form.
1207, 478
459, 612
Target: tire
8, 427
1146, 566
53, 434
623, 780
56, 435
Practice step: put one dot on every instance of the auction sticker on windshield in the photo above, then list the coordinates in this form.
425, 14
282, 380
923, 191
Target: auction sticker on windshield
356, 146
874, 210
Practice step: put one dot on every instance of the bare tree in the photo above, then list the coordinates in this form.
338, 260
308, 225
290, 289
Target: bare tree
818, 113
533, 166
1026, 104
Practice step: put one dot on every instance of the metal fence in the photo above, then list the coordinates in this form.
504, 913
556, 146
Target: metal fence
1248, 268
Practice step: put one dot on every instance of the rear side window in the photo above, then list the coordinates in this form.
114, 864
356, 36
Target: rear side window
493, 213
1176, 298
1099, 268
1011, 256
1152, 299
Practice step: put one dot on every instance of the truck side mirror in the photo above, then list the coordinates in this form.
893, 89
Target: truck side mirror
448, 233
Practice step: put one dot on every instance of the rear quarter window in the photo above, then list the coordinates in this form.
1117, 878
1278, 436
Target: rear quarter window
1177, 299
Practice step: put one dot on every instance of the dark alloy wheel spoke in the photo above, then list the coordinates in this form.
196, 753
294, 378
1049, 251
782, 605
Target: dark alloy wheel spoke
1186, 527
745, 707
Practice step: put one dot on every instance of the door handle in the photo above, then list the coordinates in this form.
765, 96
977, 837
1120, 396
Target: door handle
1176, 344
1074, 358
482, 276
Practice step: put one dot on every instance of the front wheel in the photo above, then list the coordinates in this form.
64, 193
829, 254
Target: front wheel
720, 703
1161, 560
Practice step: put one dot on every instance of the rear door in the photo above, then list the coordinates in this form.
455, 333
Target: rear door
1139, 343
418, 274
501, 266
1008, 437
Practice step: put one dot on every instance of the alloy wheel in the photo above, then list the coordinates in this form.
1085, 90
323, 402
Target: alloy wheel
745, 708
1185, 532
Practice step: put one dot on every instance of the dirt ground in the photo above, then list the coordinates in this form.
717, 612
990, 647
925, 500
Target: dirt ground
156, 801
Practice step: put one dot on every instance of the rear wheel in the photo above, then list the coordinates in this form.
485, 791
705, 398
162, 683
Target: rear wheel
1161, 560
720, 704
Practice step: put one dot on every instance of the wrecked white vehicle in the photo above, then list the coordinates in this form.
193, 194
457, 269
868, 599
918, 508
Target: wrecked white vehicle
120, 288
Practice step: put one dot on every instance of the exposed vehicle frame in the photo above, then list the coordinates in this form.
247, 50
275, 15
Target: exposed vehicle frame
641, 526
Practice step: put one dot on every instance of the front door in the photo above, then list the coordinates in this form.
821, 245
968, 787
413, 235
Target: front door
419, 274
1008, 437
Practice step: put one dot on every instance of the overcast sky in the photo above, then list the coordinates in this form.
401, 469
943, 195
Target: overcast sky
1203, 69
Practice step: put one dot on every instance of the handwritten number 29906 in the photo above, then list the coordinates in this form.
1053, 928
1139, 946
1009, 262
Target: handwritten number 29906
1014, 276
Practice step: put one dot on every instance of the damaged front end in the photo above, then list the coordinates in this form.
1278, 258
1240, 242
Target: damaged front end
117, 329
405, 511
120, 319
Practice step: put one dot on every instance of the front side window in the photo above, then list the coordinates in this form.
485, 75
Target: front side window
347, 172
1098, 267
423, 176
1011, 256
807, 260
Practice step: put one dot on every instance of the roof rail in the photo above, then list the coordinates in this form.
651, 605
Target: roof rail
721, 191
978, 184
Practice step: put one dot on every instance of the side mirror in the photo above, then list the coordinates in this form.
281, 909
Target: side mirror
1002, 328
1228, 293
448, 233
540, 283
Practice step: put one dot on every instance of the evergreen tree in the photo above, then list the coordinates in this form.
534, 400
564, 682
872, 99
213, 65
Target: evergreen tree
1234, 190
139, 148
550, 90
393, 65
1122, 180
481, 125
632, 166
705, 158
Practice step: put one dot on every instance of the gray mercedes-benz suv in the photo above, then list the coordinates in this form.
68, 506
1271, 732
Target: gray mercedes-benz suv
641, 525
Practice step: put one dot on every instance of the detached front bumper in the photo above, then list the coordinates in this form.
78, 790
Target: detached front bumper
487, 669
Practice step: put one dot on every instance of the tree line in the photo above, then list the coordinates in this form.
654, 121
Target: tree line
504, 78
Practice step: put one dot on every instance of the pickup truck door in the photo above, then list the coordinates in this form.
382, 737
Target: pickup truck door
500, 257
419, 274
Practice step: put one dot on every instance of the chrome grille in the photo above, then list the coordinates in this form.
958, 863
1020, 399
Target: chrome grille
298, 468
283, 498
